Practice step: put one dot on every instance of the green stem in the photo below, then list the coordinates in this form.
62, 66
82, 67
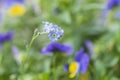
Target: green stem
1, 58
22, 68
33, 38
54, 67
31, 42
28, 54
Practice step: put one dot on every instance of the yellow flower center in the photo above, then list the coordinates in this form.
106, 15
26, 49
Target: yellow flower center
17, 10
53, 35
73, 69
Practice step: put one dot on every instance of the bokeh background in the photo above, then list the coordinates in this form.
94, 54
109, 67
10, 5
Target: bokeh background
91, 24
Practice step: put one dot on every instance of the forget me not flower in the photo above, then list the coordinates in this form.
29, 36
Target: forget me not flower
14, 7
55, 46
53, 35
54, 31
79, 65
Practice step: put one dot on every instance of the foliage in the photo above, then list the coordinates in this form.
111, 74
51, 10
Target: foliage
81, 20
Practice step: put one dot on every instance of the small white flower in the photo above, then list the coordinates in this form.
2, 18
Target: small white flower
47, 27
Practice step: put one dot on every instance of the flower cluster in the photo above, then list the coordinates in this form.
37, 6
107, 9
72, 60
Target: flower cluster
14, 7
54, 31
55, 46
80, 64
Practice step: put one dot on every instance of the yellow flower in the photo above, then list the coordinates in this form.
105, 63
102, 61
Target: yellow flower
73, 69
17, 10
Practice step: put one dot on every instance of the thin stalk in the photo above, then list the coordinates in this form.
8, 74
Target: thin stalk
22, 68
54, 67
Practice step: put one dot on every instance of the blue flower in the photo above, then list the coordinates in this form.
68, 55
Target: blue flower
47, 26
55, 46
113, 3
79, 65
54, 35
5, 37
66, 66
14, 7
54, 31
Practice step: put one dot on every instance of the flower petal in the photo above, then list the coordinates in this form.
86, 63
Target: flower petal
66, 67
84, 63
55, 46
79, 54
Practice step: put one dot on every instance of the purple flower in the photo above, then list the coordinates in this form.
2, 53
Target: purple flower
55, 46
79, 65
5, 37
90, 48
8, 3
112, 3
66, 66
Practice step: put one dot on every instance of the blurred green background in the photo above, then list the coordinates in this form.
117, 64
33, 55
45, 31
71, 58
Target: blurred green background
81, 20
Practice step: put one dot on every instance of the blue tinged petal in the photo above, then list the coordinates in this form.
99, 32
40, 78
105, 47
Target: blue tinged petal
9, 3
15, 51
84, 63
113, 3
55, 46
53, 35
82, 59
54, 31
12, 1
89, 46
79, 54
8, 36
66, 67
5, 37
48, 49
